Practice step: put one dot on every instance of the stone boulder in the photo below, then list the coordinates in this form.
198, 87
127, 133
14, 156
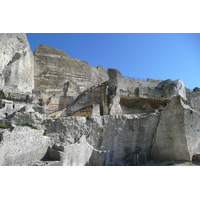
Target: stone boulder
178, 132
172, 88
22, 146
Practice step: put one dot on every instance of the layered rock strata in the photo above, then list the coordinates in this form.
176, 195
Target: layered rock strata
61, 78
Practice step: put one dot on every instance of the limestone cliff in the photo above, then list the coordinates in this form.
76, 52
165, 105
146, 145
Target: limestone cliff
16, 63
103, 140
178, 132
54, 69
78, 115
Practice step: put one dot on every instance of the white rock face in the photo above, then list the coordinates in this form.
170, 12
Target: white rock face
16, 63
173, 88
22, 146
81, 150
178, 132
103, 140
54, 70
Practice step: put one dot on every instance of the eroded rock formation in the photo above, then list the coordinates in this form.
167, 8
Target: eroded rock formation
178, 132
54, 69
16, 63
58, 110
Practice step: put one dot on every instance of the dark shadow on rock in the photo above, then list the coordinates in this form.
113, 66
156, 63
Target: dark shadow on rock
99, 158
51, 155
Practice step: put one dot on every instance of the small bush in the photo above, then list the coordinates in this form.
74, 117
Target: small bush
31, 126
45, 132
3, 126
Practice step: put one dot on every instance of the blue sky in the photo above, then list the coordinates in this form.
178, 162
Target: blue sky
148, 55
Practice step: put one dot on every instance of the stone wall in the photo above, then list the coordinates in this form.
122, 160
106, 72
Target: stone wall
151, 88
124, 84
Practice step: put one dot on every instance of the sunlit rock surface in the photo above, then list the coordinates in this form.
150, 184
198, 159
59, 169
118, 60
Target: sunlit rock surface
16, 63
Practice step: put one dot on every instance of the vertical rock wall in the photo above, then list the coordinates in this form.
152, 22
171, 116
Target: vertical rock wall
16, 63
178, 132
103, 140
54, 68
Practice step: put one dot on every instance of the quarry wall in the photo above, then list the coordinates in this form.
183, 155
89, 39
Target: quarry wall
16, 63
100, 118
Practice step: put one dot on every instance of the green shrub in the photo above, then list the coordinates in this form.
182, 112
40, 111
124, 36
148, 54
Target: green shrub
29, 125
3, 126
45, 132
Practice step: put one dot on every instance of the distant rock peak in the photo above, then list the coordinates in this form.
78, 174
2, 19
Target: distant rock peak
47, 50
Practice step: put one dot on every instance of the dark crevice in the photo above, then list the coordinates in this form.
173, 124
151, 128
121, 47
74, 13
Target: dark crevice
51, 155
154, 135
14, 58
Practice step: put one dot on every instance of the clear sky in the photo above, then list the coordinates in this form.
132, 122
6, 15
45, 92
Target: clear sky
148, 55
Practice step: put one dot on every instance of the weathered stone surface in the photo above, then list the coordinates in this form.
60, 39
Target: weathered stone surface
126, 119
6, 108
54, 69
129, 85
172, 88
196, 89
22, 146
16, 63
27, 116
194, 99
103, 140
93, 101
178, 132
115, 107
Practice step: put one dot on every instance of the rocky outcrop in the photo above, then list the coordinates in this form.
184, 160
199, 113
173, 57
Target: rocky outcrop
22, 145
54, 69
101, 118
103, 140
193, 97
178, 132
171, 88
16, 63
32, 138
93, 101
22, 140
146, 89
